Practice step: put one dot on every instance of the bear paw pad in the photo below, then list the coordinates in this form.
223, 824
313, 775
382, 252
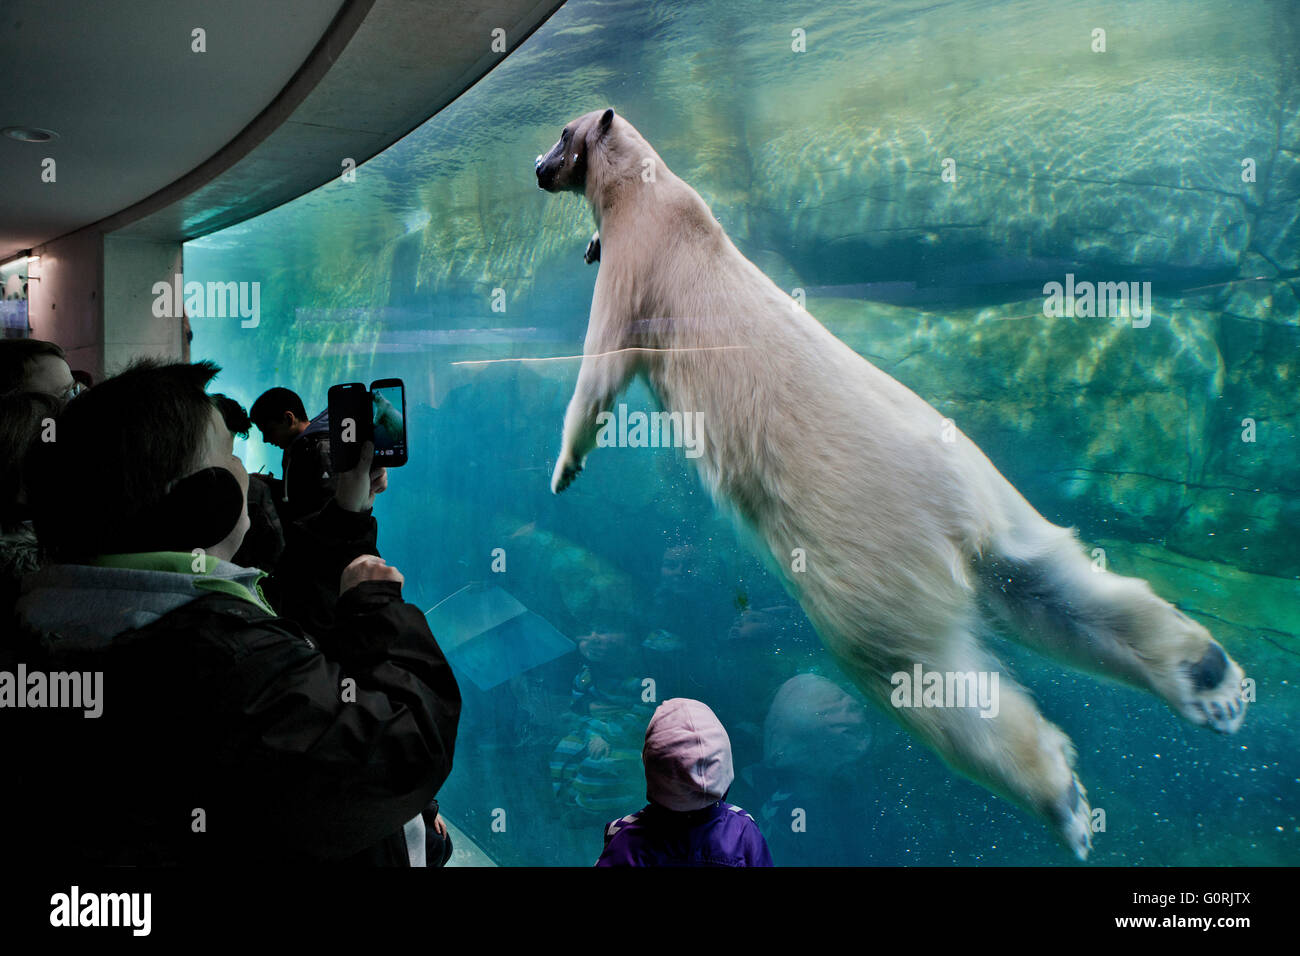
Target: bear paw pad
1212, 691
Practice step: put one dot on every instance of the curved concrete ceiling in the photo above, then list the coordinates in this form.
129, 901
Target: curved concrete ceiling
159, 141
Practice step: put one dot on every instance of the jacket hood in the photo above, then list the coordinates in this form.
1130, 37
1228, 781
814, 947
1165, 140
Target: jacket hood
85, 606
687, 756
318, 425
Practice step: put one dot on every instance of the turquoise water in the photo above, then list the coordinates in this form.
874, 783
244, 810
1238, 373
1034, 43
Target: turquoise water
444, 264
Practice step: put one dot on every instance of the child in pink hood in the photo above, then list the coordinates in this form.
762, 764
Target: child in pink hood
687, 757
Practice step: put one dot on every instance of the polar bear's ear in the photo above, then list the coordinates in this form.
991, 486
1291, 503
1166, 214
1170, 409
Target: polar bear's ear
606, 119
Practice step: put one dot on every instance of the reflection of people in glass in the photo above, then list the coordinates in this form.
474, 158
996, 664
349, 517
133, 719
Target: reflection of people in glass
596, 767
674, 571
683, 613
674, 606
814, 739
767, 643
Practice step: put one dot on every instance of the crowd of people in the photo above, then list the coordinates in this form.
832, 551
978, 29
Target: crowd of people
267, 694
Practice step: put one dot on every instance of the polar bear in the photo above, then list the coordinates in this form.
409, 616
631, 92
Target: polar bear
907, 540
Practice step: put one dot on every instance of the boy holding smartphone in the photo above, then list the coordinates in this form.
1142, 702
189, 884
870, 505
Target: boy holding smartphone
232, 731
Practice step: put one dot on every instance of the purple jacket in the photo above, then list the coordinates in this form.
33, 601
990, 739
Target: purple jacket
718, 835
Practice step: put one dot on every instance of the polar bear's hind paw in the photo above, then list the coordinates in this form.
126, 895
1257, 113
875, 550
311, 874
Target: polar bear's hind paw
1072, 819
1214, 694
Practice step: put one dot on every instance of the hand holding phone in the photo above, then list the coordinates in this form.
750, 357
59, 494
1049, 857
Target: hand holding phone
358, 486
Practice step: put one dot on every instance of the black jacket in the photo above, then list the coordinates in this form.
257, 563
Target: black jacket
229, 734
308, 475
264, 543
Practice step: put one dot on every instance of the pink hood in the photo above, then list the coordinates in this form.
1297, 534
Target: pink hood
687, 756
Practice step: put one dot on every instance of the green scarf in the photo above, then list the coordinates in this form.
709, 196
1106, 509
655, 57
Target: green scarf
182, 562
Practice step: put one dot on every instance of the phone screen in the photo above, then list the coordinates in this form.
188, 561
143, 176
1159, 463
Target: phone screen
389, 401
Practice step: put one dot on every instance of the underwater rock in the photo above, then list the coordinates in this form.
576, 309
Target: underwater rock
1251, 453
1119, 431
1252, 295
1251, 529
1277, 233
1071, 159
1038, 182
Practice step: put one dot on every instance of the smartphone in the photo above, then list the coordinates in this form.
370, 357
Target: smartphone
388, 426
351, 423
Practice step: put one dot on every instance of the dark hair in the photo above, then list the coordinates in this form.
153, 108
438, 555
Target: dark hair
21, 418
236, 418
84, 377
116, 449
273, 403
16, 356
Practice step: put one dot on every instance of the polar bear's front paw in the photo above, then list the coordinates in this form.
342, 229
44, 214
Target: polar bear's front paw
593, 250
565, 471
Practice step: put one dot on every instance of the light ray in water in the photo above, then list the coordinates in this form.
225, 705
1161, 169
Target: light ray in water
566, 358
1220, 285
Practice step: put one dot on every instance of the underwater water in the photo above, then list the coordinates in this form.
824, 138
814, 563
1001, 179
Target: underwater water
920, 171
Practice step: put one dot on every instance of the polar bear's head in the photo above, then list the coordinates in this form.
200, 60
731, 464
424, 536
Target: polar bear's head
564, 168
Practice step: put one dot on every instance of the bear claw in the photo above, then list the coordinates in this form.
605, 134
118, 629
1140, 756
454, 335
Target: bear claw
1224, 718
563, 477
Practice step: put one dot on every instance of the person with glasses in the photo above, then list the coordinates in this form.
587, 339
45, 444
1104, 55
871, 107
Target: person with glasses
34, 365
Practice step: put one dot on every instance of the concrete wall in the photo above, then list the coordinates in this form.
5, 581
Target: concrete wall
131, 268
93, 295
65, 298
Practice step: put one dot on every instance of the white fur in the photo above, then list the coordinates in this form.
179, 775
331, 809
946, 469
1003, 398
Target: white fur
819, 450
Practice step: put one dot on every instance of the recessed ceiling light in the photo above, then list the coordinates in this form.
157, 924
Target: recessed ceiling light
29, 134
